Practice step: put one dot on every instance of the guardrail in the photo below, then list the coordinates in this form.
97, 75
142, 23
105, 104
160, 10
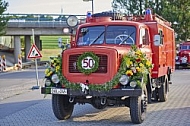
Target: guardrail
26, 65
33, 24
32, 64
39, 17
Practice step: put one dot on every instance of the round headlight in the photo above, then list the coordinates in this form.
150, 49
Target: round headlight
47, 82
124, 79
55, 78
72, 21
133, 84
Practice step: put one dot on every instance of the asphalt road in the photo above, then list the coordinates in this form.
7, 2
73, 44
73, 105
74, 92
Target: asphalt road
30, 108
16, 82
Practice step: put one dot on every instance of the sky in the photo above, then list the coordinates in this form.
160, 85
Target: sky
56, 6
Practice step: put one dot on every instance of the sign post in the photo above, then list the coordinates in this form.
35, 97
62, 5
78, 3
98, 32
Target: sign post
60, 42
34, 53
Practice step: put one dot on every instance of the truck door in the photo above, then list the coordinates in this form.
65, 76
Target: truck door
163, 52
145, 42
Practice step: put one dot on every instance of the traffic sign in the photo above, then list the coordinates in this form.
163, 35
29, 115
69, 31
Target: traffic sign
34, 52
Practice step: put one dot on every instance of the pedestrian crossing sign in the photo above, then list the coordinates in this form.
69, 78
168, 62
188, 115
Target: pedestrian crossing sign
34, 52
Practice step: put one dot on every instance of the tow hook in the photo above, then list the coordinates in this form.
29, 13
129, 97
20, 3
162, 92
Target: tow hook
103, 101
71, 99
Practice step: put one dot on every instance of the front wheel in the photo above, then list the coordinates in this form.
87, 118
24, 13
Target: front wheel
62, 108
138, 106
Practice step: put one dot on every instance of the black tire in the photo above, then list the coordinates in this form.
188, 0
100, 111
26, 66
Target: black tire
177, 67
96, 103
62, 108
149, 90
138, 107
163, 90
149, 98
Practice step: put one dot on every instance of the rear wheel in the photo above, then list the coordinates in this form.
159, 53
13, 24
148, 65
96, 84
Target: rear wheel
138, 107
163, 90
62, 108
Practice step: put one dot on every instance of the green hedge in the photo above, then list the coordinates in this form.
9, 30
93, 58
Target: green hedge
51, 42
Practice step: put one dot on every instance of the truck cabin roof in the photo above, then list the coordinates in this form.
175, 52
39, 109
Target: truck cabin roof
110, 16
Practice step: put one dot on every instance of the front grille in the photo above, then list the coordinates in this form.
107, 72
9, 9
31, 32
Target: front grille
102, 63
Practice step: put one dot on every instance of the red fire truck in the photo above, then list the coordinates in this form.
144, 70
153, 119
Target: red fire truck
183, 55
113, 60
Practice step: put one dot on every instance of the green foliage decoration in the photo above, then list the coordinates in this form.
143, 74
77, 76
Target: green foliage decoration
134, 64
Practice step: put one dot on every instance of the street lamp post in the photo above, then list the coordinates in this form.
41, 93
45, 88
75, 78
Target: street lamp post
92, 4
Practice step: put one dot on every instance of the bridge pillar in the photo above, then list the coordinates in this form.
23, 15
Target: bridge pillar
37, 43
17, 48
27, 40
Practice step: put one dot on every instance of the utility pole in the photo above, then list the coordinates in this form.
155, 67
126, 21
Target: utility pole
92, 4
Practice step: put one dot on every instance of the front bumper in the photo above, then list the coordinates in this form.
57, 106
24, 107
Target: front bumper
182, 64
111, 93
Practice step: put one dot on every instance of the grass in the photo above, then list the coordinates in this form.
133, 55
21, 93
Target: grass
47, 53
51, 42
50, 46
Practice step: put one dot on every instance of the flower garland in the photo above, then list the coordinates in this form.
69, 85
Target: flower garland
55, 66
134, 64
137, 65
94, 62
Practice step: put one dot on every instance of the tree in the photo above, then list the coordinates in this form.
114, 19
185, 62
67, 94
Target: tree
3, 19
175, 11
178, 12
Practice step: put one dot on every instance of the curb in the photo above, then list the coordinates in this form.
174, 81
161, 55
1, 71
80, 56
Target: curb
25, 66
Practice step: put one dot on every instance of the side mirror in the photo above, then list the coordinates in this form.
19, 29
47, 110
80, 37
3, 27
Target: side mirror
157, 40
60, 42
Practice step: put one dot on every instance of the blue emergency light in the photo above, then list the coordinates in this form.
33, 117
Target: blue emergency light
148, 12
89, 14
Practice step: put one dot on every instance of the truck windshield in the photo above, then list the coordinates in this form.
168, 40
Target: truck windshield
121, 35
98, 35
185, 47
91, 35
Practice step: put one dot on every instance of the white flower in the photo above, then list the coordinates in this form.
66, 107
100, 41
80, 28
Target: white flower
133, 69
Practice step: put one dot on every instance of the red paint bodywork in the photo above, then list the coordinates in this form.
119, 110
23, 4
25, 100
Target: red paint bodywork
163, 56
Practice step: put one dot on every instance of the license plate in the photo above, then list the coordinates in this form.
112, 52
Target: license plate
58, 91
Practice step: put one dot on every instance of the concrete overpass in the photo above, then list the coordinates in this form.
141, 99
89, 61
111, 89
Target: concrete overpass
40, 27
17, 27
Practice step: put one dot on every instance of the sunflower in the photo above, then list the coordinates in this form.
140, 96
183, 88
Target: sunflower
129, 72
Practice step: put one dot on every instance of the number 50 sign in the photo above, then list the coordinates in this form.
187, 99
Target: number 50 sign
88, 63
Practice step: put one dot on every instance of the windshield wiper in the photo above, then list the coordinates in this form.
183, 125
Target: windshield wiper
126, 39
96, 38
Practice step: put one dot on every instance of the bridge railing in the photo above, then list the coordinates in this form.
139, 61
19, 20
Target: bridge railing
40, 17
34, 24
